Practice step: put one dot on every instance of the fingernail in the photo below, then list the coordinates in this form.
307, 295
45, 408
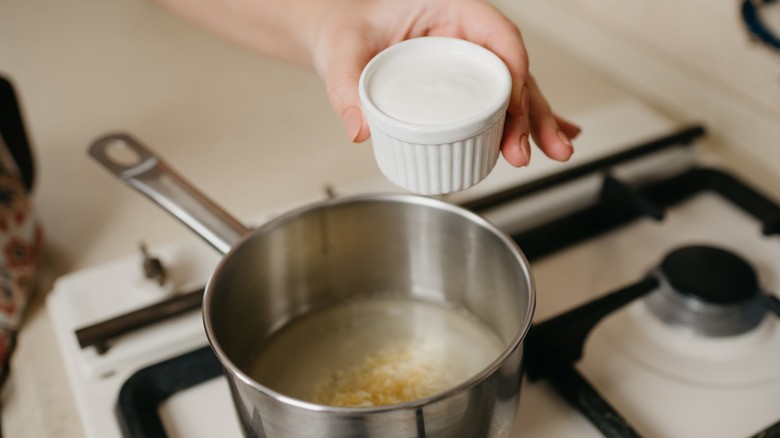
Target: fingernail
526, 148
565, 140
353, 122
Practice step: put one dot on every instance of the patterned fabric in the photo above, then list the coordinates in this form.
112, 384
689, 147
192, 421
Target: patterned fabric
21, 234
21, 241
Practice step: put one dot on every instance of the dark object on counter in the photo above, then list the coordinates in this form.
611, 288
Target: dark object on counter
14, 134
753, 14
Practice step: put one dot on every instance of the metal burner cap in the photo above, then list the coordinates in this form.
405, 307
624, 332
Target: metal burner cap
707, 291
711, 274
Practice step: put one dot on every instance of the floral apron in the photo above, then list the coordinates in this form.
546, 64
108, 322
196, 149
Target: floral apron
21, 235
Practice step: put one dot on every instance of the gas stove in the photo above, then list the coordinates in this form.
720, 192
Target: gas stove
623, 342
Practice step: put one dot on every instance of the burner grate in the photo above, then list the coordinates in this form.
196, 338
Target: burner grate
142, 393
553, 346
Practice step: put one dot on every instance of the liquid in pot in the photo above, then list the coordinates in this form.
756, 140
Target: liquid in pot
375, 352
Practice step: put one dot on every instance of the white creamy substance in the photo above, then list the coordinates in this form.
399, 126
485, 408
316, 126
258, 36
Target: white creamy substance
374, 352
435, 88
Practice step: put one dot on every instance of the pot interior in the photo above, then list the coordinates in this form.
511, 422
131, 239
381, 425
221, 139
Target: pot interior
370, 248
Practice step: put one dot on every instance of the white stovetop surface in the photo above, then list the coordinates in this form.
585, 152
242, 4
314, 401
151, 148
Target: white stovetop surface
81, 298
252, 133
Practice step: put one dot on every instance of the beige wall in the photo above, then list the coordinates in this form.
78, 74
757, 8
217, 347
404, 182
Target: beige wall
692, 59
705, 37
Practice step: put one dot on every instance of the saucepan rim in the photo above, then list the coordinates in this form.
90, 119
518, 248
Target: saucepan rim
288, 216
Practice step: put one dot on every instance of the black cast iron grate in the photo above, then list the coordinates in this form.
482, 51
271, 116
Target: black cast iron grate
617, 205
554, 346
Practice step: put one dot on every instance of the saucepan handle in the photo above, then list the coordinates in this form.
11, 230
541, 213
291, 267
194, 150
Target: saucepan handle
140, 168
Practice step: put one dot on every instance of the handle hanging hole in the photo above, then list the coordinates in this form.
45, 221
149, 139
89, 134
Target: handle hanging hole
121, 153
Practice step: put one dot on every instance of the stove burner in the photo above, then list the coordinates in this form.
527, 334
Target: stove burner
707, 291
710, 274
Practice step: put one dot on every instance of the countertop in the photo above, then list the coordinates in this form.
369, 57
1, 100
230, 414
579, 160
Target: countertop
252, 133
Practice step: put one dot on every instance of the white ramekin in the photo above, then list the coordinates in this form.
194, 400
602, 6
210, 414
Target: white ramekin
432, 158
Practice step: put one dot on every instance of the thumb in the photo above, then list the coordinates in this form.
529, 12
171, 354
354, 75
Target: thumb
343, 96
342, 76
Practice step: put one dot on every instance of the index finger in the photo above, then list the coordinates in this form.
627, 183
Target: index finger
485, 25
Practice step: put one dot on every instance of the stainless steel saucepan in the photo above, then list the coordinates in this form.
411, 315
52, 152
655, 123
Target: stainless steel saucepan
338, 250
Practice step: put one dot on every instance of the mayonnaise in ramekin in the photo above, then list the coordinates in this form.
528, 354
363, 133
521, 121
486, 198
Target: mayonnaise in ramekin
436, 108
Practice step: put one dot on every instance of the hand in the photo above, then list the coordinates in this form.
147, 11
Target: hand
339, 37
349, 33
